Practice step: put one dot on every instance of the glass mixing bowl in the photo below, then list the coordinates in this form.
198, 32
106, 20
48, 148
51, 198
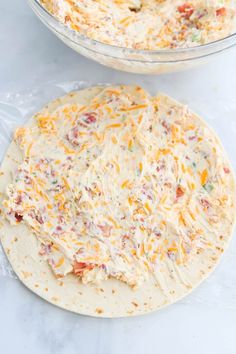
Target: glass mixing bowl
132, 60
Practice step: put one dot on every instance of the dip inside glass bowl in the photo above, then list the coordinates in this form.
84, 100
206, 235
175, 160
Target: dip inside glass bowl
129, 59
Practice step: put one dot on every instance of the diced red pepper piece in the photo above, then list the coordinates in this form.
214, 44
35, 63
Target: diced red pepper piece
179, 192
80, 267
186, 10
226, 170
221, 11
18, 217
73, 136
90, 118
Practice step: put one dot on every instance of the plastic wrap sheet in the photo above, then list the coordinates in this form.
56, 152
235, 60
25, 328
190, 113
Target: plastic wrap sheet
15, 108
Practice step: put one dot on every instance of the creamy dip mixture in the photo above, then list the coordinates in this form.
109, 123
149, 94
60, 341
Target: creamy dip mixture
147, 24
115, 187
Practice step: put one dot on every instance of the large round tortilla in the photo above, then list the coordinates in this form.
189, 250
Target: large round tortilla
112, 298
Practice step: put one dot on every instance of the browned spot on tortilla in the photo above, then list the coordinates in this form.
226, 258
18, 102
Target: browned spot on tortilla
221, 237
67, 18
36, 285
54, 298
15, 239
99, 310
1, 174
46, 289
61, 283
130, 312
58, 276
113, 291
134, 303
102, 290
26, 274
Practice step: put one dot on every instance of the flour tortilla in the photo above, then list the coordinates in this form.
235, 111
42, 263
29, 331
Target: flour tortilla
112, 298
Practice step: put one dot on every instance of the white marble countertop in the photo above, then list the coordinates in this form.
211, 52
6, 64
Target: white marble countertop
203, 323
